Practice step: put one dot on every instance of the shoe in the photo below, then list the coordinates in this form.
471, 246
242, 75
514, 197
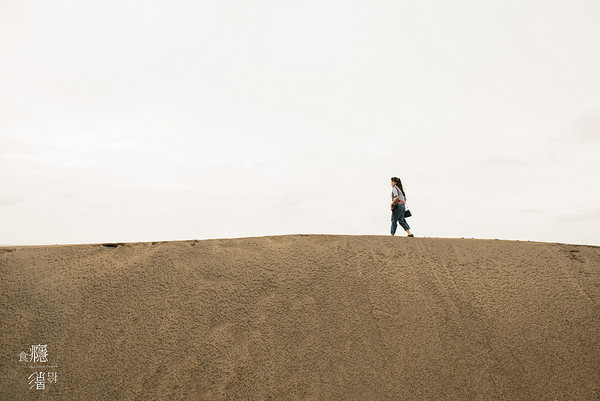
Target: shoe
411, 235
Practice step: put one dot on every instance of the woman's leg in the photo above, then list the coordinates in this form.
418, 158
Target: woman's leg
402, 220
394, 221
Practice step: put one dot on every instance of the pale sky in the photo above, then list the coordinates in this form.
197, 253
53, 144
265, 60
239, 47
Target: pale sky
124, 121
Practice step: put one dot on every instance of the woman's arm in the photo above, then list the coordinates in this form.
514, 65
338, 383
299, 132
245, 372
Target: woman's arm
397, 197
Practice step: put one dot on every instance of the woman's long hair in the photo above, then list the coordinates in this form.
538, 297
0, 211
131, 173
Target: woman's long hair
399, 185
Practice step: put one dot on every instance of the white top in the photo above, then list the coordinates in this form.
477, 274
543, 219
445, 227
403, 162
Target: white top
396, 192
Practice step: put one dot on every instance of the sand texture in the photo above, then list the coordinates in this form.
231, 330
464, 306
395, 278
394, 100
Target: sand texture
303, 317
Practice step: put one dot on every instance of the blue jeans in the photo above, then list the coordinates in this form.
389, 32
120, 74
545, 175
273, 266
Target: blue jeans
398, 217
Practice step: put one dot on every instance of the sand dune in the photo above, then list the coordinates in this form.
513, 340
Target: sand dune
304, 317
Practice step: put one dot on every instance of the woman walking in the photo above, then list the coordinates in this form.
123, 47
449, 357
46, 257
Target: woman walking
398, 208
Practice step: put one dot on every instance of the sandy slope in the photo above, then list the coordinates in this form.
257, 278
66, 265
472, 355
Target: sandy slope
304, 317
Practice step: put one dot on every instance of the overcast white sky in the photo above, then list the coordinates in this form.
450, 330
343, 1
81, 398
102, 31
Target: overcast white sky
131, 121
